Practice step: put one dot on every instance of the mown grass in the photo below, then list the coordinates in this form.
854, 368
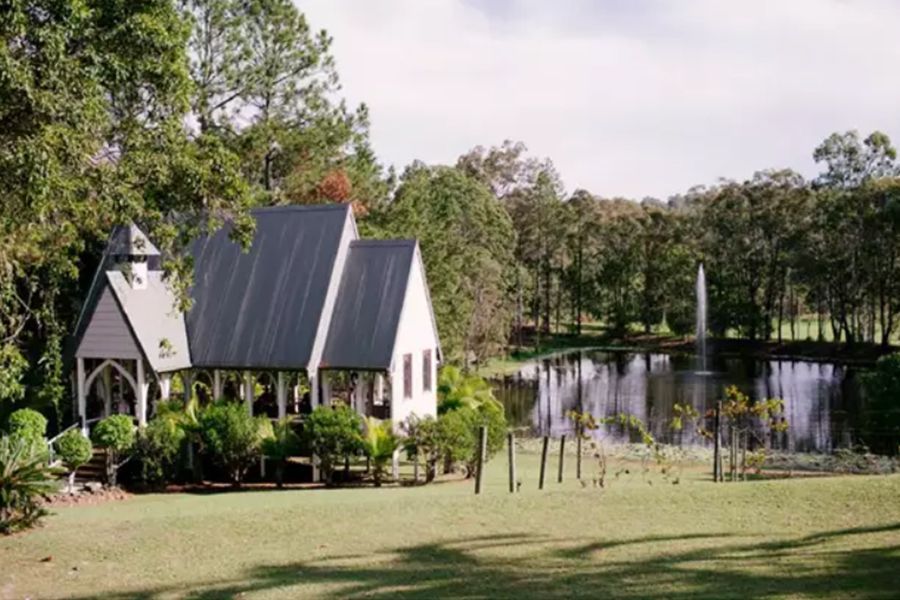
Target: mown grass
639, 537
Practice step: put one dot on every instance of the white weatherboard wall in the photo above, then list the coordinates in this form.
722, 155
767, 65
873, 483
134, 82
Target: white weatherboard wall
415, 334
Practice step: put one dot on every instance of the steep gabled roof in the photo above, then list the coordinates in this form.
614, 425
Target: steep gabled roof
261, 308
130, 324
370, 299
154, 320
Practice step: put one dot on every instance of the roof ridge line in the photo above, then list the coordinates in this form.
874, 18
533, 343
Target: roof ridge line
300, 208
394, 242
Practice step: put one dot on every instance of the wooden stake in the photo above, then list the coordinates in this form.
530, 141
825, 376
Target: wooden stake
744, 456
543, 462
482, 451
717, 445
511, 442
734, 453
562, 458
579, 432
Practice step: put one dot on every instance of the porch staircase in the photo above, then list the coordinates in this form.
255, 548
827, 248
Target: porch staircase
94, 470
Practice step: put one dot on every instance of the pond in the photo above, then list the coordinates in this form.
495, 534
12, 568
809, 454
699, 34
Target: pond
821, 400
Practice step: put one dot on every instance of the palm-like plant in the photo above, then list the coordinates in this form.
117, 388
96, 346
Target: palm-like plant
25, 477
457, 390
379, 443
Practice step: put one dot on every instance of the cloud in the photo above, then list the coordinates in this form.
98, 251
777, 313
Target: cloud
628, 97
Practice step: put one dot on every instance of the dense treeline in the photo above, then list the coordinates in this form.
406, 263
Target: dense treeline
181, 116
777, 249
176, 115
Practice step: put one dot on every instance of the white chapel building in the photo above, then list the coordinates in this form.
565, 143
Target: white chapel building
308, 314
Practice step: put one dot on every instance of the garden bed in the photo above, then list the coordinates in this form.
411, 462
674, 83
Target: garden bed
88, 498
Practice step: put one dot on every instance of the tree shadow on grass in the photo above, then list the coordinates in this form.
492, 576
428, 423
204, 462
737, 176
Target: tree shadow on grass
525, 566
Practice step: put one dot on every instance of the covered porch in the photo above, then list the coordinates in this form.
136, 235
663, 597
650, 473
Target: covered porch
115, 385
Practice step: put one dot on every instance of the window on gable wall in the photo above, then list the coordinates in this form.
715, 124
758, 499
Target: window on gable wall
407, 375
426, 370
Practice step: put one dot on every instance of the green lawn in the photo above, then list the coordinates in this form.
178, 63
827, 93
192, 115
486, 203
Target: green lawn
820, 537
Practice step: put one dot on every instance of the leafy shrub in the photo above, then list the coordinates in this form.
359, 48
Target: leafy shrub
158, 448
25, 477
422, 438
116, 434
492, 415
458, 431
281, 445
881, 413
466, 402
379, 442
456, 438
28, 424
333, 433
233, 437
74, 450
190, 424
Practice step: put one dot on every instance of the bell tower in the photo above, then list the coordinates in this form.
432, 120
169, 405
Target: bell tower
131, 252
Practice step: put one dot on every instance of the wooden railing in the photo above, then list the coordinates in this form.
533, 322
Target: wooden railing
78, 425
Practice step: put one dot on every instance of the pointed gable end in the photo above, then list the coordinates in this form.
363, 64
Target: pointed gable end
370, 301
107, 334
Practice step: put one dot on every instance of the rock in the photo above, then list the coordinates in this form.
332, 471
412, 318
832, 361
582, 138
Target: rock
93, 487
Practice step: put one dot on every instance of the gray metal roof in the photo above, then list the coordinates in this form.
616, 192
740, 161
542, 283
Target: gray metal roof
367, 313
154, 320
261, 308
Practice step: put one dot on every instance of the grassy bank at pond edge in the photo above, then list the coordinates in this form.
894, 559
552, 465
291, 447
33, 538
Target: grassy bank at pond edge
640, 537
598, 339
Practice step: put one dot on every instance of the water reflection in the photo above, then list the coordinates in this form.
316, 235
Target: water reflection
821, 399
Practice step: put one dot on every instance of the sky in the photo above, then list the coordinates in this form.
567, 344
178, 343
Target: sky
630, 98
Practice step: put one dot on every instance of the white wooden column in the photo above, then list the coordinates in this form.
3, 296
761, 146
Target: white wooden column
82, 402
325, 378
107, 391
165, 386
217, 385
395, 459
187, 381
357, 395
312, 377
281, 394
395, 464
378, 395
249, 390
142, 390
314, 399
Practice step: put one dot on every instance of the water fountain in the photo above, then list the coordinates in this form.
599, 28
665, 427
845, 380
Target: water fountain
701, 319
